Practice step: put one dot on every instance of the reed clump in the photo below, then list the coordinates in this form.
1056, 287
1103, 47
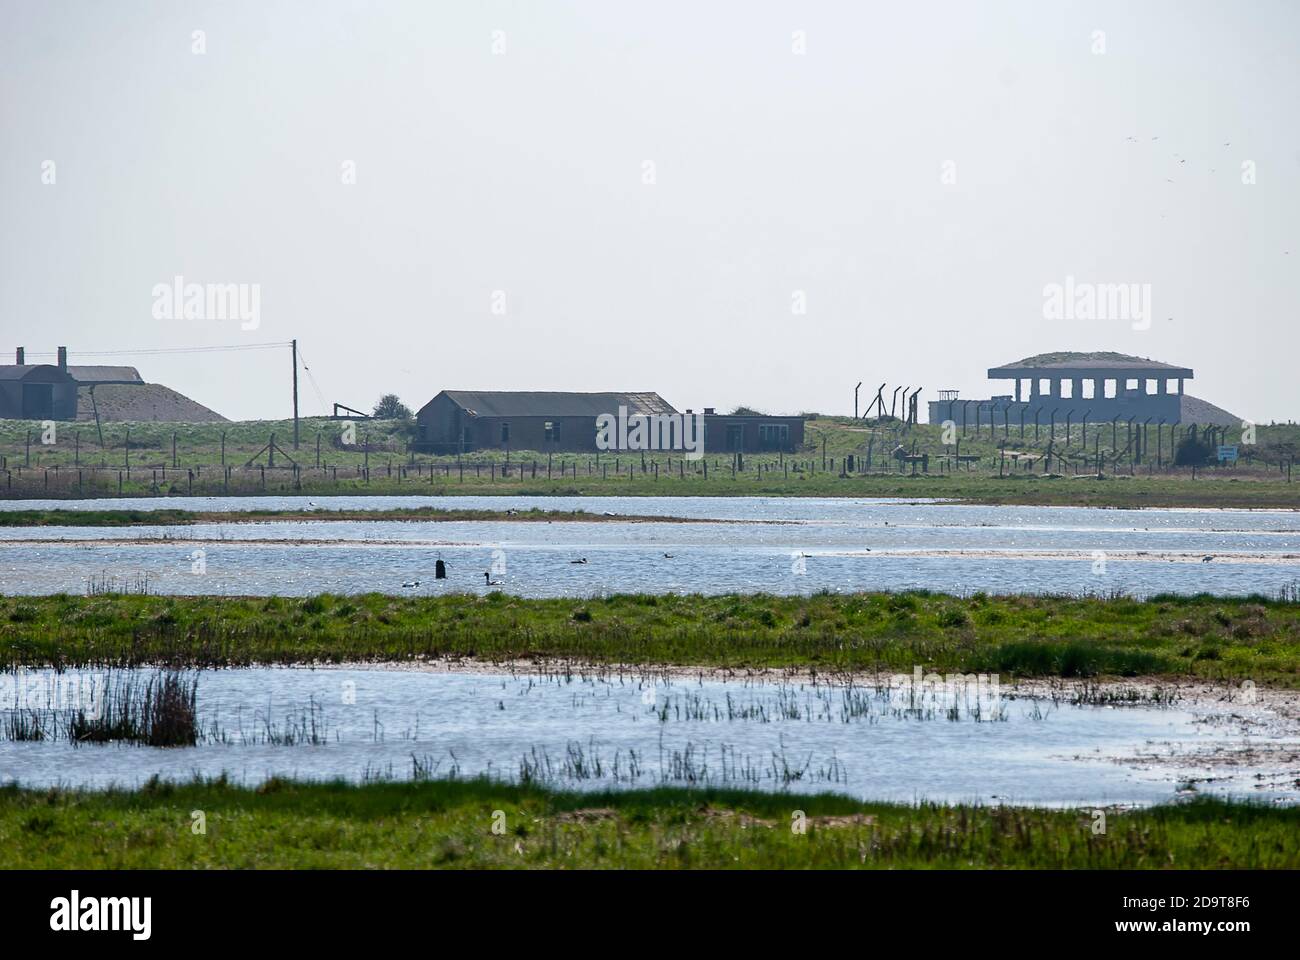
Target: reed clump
160, 713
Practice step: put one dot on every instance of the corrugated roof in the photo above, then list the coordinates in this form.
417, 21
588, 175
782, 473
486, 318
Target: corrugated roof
538, 403
1092, 360
14, 371
105, 374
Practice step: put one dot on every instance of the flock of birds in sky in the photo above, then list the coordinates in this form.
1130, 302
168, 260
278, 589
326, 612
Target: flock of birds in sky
1183, 160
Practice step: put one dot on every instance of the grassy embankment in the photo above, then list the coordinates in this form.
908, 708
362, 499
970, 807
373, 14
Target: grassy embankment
181, 518
78, 465
448, 824
1018, 636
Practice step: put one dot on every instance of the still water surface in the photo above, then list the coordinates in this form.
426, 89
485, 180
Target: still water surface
780, 545
602, 731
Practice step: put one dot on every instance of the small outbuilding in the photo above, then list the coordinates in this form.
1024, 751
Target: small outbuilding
751, 433
39, 391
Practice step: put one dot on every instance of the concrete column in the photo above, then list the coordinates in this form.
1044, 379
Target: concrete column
1018, 382
1180, 386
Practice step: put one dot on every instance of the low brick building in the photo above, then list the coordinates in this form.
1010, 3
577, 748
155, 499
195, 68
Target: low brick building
751, 433
461, 421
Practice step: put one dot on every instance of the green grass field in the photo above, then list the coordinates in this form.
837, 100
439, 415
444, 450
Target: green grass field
1016, 636
138, 460
450, 824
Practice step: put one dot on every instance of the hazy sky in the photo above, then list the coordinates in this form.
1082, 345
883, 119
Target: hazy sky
916, 176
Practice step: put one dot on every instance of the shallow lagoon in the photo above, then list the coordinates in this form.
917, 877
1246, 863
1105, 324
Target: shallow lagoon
882, 741
779, 545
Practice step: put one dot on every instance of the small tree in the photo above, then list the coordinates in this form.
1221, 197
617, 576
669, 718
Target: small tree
390, 407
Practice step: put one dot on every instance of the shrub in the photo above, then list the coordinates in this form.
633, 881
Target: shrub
953, 617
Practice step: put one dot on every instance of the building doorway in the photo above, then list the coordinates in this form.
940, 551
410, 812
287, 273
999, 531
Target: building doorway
38, 401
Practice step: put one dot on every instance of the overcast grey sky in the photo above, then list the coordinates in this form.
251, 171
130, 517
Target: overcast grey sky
917, 175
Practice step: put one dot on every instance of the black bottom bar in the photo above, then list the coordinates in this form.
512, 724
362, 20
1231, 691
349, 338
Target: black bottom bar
298, 909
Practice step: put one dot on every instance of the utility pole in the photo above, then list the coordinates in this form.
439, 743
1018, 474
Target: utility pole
855, 399
295, 394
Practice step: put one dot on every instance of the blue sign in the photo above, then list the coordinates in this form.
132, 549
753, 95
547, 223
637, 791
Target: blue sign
1228, 454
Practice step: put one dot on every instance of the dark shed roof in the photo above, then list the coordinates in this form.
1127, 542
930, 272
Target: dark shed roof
534, 403
105, 374
18, 372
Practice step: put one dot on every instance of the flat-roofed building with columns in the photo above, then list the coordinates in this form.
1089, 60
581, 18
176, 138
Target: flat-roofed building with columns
1099, 386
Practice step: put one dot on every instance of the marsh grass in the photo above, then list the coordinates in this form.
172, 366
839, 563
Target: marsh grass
153, 710
444, 822
305, 726
1010, 636
105, 584
158, 713
24, 726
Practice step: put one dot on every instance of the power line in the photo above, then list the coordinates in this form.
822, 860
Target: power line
155, 351
314, 385
151, 351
